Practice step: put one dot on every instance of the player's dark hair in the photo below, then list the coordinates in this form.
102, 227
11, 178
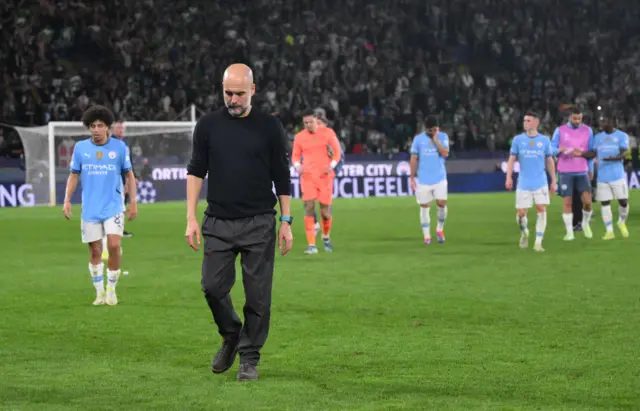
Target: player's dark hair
575, 110
532, 114
97, 113
431, 121
309, 113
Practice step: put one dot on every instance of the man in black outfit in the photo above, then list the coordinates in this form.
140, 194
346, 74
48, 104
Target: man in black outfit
576, 209
245, 153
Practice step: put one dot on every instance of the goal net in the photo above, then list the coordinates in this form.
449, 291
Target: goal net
159, 154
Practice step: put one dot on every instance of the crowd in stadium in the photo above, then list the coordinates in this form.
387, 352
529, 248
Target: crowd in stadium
375, 70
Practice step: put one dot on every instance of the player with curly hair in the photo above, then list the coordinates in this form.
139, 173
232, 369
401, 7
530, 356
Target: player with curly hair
98, 163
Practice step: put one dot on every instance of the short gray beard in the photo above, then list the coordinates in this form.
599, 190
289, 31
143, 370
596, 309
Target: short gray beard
244, 110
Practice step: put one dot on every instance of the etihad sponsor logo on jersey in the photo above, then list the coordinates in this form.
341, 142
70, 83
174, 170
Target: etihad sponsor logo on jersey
98, 169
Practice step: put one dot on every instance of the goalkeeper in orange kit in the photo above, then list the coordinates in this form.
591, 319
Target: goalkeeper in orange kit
316, 170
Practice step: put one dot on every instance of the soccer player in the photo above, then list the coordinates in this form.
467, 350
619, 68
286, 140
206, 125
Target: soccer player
118, 132
99, 162
573, 144
322, 122
316, 175
611, 147
534, 153
428, 153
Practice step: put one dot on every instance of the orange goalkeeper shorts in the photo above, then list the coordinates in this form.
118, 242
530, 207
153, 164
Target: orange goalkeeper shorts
319, 189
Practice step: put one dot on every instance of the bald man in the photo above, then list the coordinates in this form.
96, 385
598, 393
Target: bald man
245, 153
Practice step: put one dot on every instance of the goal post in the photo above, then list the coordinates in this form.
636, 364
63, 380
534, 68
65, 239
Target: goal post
48, 151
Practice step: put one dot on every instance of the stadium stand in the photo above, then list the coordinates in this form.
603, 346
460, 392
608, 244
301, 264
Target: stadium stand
374, 69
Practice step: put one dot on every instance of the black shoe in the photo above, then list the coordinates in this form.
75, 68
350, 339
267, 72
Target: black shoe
225, 357
247, 372
127, 234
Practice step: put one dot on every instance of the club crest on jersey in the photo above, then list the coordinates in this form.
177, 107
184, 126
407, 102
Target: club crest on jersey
99, 155
112, 155
539, 144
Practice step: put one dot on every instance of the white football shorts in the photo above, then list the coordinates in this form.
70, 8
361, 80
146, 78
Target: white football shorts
428, 192
616, 190
527, 198
95, 231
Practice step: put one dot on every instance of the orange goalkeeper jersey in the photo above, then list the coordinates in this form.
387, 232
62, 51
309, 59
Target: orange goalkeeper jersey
312, 148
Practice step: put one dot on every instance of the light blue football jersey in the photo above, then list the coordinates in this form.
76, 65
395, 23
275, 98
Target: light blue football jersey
101, 169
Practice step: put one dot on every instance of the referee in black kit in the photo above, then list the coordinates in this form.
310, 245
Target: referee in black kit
245, 153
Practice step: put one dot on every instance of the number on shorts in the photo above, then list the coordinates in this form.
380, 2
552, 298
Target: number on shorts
118, 220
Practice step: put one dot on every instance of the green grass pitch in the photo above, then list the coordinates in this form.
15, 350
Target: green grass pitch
383, 323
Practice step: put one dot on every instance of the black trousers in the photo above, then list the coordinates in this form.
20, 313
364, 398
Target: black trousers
254, 238
576, 205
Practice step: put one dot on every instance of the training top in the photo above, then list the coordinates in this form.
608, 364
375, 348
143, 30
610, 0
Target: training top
244, 157
569, 137
312, 151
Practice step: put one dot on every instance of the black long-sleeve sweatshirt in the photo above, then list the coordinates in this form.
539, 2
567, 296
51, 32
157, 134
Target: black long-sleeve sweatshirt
244, 157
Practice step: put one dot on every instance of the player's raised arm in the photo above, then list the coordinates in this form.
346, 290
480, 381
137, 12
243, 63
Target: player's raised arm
441, 140
196, 172
335, 148
555, 142
296, 154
